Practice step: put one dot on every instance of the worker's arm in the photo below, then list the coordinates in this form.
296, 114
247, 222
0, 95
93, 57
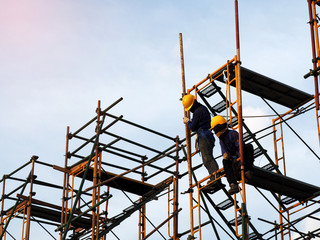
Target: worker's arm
185, 120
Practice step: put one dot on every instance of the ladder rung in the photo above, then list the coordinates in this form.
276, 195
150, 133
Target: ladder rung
225, 204
239, 221
258, 152
231, 79
280, 158
285, 233
253, 236
232, 103
233, 122
219, 107
194, 207
268, 167
209, 91
288, 200
196, 230
233, 221
247, 136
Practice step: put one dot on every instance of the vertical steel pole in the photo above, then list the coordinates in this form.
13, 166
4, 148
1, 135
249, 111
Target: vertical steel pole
106, 210
239, 97
95, 212
313, 28
142, 212
188, 138
176, 194
30, 199
65, 184
315, 54
2, 204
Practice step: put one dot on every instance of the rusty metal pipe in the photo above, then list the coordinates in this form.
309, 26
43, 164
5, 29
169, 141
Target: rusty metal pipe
188, 138
314, 55
93, 119
161, 224
131, 170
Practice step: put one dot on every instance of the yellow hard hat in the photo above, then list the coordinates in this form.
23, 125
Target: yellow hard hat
217, 120
187, 101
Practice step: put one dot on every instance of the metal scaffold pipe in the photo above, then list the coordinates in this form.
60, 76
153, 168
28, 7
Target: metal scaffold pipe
188, 137
129, 171
313, 28
95, 118
241, 144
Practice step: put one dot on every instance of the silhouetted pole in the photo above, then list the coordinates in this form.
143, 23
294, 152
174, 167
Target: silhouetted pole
239, 97
313, 29
188, 135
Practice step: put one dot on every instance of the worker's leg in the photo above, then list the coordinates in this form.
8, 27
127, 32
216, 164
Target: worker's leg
248, 156
227, 164
206, 147
228, 169
248, 160
236, 169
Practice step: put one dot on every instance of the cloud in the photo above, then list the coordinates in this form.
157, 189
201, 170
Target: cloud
256, 118
309, 225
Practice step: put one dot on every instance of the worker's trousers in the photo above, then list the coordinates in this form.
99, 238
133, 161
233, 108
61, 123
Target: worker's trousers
232, 167
206, 145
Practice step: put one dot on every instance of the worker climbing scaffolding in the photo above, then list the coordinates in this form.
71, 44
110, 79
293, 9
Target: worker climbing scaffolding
200, 123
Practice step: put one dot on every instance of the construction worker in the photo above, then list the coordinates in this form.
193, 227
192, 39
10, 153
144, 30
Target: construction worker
200, 123
229, 142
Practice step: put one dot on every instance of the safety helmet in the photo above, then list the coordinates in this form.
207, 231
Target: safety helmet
218, 123
187, 101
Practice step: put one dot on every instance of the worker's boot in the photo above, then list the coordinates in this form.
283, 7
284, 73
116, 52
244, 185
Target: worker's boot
248, 174
234, 188
214, 181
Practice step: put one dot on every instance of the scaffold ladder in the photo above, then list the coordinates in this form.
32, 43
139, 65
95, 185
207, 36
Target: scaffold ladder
24, 223
235, 123
280, 157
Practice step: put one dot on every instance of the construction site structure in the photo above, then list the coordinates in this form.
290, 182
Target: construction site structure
87, 183
109, 179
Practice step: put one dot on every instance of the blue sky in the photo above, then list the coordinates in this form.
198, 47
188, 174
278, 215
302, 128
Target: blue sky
58, 58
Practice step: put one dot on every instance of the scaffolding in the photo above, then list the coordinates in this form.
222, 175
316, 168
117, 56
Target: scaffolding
88, 181
102, 163
285, 190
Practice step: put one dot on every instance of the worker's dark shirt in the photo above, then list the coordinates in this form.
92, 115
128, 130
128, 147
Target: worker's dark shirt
200, 122
200, 119
229, 143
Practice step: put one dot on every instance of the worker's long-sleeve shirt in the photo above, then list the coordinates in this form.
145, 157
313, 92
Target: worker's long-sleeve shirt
200, 119
230, 143
200, 122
